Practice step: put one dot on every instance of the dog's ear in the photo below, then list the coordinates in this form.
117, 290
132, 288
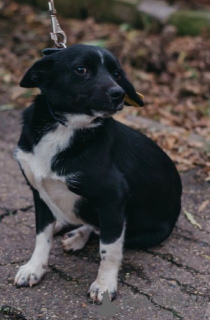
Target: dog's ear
132, 98
36, 75
48, 51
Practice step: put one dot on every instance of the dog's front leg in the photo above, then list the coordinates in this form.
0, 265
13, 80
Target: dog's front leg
32, 272
111, 248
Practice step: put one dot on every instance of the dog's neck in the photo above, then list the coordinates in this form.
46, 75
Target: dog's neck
81, 121
56, 116
70, 120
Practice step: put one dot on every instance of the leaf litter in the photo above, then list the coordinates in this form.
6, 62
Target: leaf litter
171, 72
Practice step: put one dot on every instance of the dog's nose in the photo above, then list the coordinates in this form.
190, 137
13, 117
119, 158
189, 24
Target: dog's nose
116, 93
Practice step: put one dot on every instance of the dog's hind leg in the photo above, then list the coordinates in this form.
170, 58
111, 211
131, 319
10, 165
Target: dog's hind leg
145, 239
32, 272
76, 239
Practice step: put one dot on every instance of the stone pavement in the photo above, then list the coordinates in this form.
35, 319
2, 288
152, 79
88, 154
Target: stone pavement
170, 281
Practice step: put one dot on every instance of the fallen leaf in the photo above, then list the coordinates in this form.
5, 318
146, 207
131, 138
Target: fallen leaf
8, 106
203, 205
205, 256
99, 43
191, 218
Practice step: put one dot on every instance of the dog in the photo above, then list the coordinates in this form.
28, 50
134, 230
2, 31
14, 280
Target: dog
87, 169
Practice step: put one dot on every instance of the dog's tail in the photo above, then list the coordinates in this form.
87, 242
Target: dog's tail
146, 239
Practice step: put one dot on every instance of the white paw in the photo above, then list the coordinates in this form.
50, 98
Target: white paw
98, 287
73, 241
28, 275
76, 239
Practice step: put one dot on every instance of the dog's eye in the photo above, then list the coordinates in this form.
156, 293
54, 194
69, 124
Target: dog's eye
81, 70
117, 75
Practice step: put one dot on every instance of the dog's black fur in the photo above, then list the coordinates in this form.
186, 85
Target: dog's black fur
126, 181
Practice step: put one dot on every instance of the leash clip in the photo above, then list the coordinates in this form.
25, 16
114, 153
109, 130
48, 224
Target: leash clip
56, 29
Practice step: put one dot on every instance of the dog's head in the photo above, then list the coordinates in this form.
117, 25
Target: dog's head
81, 79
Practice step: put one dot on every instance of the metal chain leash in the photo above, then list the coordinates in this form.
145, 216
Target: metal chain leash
57, 32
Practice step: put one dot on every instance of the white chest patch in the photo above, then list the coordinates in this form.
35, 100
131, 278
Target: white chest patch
37, 168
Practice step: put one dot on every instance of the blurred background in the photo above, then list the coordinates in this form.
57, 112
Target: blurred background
164, 47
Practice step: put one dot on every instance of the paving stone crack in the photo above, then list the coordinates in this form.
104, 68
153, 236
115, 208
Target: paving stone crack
135, 290
12, 212
13, 312
177, 235
188, 289
127, 267
168, 257
62, 274
12, 263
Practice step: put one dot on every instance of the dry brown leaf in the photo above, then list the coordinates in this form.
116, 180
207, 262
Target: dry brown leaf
170, 142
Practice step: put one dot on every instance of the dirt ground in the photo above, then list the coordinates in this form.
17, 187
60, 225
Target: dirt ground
167, 282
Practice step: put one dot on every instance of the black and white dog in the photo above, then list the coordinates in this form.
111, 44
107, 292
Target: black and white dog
87, 169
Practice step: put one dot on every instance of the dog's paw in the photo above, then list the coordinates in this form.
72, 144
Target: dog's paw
73, 240
76, 239
29, 275
98, 288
